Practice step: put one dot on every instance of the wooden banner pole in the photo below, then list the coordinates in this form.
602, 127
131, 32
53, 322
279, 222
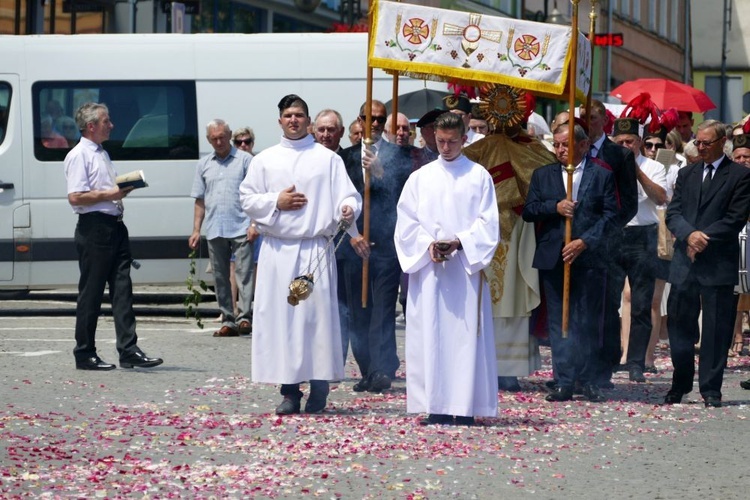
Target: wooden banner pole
570, 168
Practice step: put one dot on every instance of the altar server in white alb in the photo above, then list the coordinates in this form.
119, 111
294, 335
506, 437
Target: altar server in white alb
296, 192
446, 234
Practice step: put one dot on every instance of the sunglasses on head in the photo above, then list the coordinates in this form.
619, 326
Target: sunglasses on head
246, 142
653, 145
379, 119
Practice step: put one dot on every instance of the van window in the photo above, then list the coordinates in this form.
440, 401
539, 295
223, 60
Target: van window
4, 108
153, 120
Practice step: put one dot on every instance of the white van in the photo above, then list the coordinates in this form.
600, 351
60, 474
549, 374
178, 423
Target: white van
161, 90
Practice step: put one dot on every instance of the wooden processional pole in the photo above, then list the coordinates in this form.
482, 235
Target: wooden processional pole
592, 34
367, 134
570, 167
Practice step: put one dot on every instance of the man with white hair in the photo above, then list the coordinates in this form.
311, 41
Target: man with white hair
103, 245
328, 129
228, 230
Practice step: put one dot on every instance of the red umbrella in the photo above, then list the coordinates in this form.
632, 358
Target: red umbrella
666, 94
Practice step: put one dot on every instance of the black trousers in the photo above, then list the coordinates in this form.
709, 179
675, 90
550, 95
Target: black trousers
372, 330
610, 350
719, 305
636, 260
574, 357
103, 259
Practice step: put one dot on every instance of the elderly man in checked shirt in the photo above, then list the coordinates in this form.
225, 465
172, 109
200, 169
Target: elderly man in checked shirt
228, 230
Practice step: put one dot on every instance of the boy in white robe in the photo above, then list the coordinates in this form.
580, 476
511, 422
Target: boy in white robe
296, 192
446, 233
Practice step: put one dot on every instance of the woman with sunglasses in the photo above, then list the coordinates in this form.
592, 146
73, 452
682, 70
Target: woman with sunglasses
652, 143
244, 139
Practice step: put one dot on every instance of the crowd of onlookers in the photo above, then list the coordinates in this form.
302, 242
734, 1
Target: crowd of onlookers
644, 234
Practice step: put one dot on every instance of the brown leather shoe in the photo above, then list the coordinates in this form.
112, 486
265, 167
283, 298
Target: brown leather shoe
226, 331
245, 327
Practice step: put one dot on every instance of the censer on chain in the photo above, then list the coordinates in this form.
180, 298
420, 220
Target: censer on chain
302, 286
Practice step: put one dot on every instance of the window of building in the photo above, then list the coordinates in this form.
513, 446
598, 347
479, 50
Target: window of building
652, 15
24, 17
153, 120
674, 22
637, 11
625, 8
663, 17
5, 91
225, 16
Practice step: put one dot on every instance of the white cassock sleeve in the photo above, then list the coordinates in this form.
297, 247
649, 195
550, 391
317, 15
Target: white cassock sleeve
481, 239
256, 202
412, 240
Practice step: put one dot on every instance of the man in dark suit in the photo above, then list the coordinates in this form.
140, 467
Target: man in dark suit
710, 206
593, 211
372, 330
622, 163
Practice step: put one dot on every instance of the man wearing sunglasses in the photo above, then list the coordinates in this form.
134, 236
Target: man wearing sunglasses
372, 330
228, 230
635, 257
710, 206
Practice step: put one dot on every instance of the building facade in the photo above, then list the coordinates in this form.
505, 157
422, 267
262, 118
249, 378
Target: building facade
655, 37
723, 38
21, 17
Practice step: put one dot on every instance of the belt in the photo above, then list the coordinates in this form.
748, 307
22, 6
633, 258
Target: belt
639, 228
101, 216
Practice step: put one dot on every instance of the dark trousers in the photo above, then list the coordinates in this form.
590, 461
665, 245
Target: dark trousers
609, 349
574, 357
293, 391
372, 330
719, 304
636, 260
103, 259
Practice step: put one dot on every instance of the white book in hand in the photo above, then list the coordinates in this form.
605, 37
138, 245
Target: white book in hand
665, 156
136, 179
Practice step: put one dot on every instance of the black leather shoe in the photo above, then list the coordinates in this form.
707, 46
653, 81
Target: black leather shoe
316, 401
673, 397
289, 406
745, 384
560, 394
593, 393
379, 383
139, 360
712, 401
636, 374
508, 384
437, 419
361, 386
467, 421
94, 363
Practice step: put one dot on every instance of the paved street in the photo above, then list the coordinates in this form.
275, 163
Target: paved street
198, 427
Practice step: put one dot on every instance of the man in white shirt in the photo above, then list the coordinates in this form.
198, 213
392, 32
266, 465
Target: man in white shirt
635, 258
102, 242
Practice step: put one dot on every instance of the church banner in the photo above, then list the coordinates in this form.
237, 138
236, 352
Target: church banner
470, 48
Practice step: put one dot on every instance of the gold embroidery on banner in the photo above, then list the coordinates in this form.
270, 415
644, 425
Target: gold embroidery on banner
471, 34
